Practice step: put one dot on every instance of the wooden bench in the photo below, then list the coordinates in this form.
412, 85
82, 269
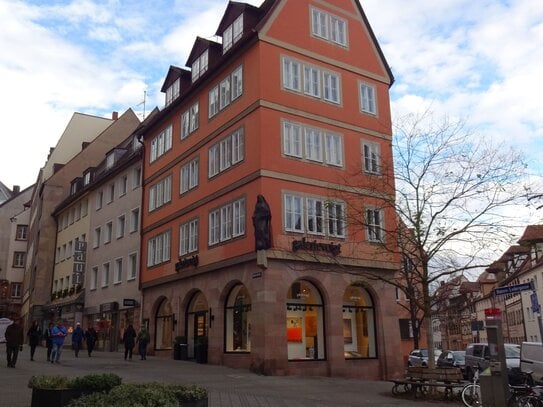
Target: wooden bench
418, 381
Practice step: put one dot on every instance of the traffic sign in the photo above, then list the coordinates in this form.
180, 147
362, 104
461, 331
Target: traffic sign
512, 289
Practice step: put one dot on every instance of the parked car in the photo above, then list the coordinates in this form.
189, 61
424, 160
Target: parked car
478, 354
453, 358
419, 357
531, 360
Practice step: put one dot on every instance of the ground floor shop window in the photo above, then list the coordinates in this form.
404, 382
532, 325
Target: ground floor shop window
238, 320
164, 326
358, 324
305, 327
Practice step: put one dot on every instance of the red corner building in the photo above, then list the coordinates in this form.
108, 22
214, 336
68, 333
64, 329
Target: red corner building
261, 211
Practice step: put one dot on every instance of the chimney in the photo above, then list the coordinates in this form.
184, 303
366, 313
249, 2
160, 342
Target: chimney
16, 189
115, 115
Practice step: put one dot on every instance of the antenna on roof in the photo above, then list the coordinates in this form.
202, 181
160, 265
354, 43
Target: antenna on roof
143, 103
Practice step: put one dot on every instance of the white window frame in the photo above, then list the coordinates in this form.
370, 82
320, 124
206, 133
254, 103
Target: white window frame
132, 266
213, 101
333, 149
236, 85
158, 249
315, 215
224, 92
291, 69
292, 139
331, 85
105, 274
214, 227
238, 218
293, 213
160, 193
99, 200
118, 272
97, 237
121, 226
136, 177
313, 144
161, 144
374, 219
328, 27
189, 120
371, 157
335, 219
232, 34
368, 98
199, 66
226, 153
238, 146
108, 232
172, 92
188, 237
123, 183
134, 220
227, 222
94, 278
189, 176
312, 82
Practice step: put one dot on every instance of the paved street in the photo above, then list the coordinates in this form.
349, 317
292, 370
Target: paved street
226, 386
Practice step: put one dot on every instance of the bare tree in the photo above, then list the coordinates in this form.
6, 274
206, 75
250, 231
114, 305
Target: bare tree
454, 192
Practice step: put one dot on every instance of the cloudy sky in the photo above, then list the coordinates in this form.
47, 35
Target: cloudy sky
477, 60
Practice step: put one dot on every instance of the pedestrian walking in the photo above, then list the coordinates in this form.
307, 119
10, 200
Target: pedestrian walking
48, 336
34, 336
143, 340
129, 340
14, 341
58, 333
77, 339
91, 336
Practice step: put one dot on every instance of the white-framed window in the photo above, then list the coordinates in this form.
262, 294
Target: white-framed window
328, 27
227, 222
87, 178
121, 222
312, 83
160, 193
99, 199
161, 143
237, 83
227, 152
313, 144
314, 215
22, 232
84, 208
123, 183
132, 270
367, 98
331, 87
232, 34
134, 220
333, 149
158, 249
105, 275
19, 259
292, 139
172, 92
77, 214
315, 82
97, 237
374, 224
94, 278
224, 93
336, 219
372, 157
110, 160
189, 121
199, 66
189, 176
16, 290
291, 74
293, 211
118, 273
111, 193
108, 232
136, 177
70, 249
213, 101
188, 237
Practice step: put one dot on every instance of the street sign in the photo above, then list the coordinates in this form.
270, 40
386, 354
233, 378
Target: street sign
512, 289
535, 304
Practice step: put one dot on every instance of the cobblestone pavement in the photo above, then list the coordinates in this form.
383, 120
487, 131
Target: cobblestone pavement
226, 386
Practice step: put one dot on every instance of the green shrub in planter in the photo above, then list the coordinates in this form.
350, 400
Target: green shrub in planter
48, 382
147, 395
96, 382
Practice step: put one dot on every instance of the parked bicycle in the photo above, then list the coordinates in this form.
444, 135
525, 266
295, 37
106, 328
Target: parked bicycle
525, 394
471, 392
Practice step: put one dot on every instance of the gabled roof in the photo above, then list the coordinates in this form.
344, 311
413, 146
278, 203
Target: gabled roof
174, 72
532, 234
233, 10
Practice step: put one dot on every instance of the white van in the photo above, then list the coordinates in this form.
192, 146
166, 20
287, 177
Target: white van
531, 359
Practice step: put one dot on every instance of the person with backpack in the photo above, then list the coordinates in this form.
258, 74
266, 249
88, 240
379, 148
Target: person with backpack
143, 340
34, 336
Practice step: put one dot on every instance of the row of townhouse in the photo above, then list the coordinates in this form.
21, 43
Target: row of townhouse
519, 265
226, 215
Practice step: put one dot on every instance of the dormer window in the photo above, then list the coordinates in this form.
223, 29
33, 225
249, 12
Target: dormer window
172, 92
199, 66
232, 34
110, 160
87, 178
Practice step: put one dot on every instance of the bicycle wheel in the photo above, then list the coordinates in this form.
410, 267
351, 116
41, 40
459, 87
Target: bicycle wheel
471, 395
530, 401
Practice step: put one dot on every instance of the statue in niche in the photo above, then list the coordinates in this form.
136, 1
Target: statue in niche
261, 223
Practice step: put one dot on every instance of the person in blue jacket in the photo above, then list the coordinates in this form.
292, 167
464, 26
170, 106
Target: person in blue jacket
77, 339
58, 334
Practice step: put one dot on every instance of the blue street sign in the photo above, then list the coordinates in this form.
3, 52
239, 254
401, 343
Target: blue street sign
512, 289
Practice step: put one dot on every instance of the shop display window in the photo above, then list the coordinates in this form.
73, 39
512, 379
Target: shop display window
304, 324
197, 321
238, 320
358, 324
164, 326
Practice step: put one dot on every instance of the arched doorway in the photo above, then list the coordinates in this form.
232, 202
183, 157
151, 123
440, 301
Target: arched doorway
305, 324
197, 321
358, 324
238, 320
164, 326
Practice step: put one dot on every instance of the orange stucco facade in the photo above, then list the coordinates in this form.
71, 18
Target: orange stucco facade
223, 288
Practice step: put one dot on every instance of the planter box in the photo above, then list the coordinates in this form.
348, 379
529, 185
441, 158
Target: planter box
194, 403
53, 397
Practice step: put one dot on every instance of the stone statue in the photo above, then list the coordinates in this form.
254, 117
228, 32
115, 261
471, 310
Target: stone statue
261, 223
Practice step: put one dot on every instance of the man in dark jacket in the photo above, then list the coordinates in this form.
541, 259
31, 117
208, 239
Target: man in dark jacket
14, 341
